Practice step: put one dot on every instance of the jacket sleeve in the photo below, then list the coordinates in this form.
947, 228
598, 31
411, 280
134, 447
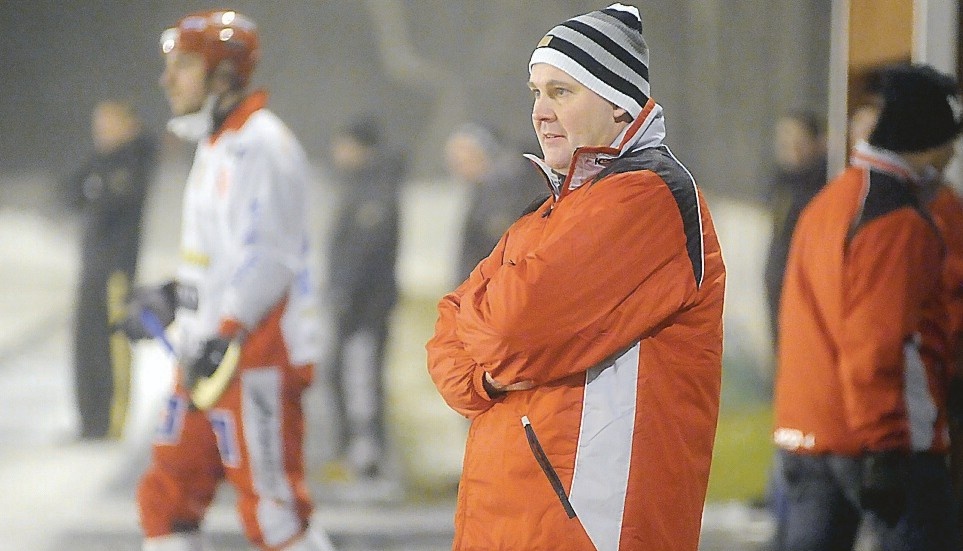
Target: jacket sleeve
947, 209
72, 186
613, 269
455, 374
889, 275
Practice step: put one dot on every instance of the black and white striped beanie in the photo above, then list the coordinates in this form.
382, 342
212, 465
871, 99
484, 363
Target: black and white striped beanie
604, 50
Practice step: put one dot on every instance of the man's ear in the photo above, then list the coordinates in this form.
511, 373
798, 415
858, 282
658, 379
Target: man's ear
621, 115
224, 78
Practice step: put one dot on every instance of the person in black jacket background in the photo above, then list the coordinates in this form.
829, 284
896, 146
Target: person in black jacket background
502, 183
362, 290
800, 151
110, 190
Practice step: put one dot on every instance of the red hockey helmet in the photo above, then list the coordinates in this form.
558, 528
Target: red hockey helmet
217, 35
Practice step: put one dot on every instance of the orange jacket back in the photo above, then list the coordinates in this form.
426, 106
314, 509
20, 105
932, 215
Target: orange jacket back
862, 320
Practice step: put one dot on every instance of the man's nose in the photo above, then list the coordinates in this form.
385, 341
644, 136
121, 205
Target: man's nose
541, 110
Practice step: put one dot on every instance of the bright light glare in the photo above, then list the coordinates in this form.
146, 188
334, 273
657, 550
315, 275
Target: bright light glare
168, 40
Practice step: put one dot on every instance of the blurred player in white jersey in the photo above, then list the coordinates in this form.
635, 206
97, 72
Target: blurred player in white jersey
242, 290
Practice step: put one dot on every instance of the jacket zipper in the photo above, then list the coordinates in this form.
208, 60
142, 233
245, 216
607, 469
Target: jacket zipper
546, 466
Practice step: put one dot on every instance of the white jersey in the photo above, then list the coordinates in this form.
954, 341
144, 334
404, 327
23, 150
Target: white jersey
244, 241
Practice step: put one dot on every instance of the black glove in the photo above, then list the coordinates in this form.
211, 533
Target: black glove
159, 300
206, 363
883, 484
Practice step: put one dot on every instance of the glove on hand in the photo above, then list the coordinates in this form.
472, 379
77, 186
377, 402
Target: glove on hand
159, 300
212, 353
883, 485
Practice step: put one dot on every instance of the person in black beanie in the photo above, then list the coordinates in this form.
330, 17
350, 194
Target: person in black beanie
860, 399
502, 183
921, 111
800, 148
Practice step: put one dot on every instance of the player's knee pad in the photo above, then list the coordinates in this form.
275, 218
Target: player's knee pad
313, 539
180, 541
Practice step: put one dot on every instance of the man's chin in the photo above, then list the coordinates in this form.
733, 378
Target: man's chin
181, 110
558, 158
557, 162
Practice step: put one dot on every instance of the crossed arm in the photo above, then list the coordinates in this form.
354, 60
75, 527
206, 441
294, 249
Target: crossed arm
611, 272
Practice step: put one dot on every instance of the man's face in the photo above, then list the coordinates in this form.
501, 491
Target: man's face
466, 158
862, 122
796, 147
942, 156
112, 126
347, 153
567, 115
184, 81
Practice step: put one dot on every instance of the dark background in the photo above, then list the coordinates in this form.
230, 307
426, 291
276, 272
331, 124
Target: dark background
723, 70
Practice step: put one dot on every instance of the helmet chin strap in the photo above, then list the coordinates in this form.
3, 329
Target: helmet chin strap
197, 125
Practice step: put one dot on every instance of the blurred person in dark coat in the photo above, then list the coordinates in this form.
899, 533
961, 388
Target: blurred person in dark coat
502, 183
363, 289
800, 151
110, 189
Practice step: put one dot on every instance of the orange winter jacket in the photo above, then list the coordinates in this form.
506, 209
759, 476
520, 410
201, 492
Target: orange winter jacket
862, 318
608, 297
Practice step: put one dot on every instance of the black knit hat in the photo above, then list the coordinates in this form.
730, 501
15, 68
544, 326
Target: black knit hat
921, 109
604, 50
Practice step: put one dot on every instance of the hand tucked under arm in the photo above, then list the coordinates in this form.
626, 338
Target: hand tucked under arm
494, 388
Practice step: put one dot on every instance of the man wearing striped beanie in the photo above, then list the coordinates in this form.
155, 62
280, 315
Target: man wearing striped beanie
587, 347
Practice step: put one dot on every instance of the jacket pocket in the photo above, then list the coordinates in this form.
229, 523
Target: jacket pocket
546, 466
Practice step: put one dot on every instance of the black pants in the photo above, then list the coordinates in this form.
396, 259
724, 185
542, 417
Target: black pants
824, 513
357, 375
102, 359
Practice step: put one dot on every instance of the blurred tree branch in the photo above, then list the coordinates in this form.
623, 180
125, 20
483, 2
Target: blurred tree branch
402, 63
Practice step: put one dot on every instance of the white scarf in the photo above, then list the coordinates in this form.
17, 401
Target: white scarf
194, 127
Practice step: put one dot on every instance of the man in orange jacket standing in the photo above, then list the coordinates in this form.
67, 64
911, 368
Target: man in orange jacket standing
586, 348
860, 404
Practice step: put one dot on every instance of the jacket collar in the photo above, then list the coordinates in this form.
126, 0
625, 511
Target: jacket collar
883, 160
646, 131
241, 112
195, 127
